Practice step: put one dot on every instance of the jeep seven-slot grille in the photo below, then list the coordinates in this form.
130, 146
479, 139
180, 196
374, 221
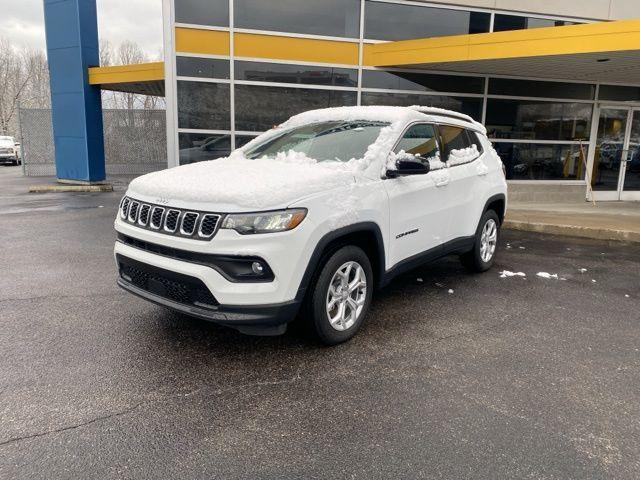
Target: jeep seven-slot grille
170, 221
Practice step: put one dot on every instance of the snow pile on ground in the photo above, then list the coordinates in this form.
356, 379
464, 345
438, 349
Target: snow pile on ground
462, 155
507, 273
547, 275
248, 183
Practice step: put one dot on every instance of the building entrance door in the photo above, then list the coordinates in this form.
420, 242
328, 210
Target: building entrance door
616, 161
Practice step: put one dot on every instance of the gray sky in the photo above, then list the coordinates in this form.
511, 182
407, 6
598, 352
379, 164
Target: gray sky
22, 22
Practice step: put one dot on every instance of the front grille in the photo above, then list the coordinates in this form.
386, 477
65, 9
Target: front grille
143, 219
170, 221
173, 286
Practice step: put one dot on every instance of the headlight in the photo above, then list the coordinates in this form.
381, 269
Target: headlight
265, 222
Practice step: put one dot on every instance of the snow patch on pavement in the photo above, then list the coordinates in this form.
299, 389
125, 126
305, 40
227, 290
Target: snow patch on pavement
507, 273
547, 275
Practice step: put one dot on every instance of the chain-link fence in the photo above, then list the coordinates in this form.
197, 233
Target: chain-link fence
134, 141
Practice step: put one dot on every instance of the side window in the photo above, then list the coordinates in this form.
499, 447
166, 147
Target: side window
460, 145
474, 140
420, 140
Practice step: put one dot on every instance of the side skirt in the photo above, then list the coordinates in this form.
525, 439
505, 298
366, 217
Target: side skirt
452, 247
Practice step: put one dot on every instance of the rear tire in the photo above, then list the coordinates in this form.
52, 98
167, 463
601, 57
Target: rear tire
481, 257
341, 296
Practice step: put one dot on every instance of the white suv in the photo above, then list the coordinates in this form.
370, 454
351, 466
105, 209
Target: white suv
316, 213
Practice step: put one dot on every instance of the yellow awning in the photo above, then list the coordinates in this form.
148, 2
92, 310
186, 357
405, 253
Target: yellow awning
598, 52
142, 78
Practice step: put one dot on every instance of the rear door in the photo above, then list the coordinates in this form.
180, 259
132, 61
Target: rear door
417, 220
461, 152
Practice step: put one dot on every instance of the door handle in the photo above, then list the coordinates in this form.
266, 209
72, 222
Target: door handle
442, 182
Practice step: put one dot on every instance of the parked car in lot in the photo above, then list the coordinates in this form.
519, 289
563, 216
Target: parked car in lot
9, 150
312, 217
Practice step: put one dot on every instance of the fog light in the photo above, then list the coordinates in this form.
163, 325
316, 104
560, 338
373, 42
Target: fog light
257, 268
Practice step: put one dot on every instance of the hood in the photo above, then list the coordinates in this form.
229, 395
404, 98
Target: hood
237, 184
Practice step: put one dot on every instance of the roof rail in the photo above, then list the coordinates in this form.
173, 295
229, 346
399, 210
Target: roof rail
441, 112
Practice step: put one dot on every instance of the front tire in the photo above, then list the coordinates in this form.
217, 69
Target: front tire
481, 257
341, 295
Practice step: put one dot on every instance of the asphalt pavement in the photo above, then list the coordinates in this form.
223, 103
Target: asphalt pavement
454, 375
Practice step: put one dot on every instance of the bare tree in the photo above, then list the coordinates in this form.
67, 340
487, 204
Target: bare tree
15, 74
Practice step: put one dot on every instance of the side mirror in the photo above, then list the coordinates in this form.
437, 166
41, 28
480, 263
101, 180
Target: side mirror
409, 165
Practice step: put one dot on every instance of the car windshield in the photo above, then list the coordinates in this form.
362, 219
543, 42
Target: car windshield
6, 142
326, 141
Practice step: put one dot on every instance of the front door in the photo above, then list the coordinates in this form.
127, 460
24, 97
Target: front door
616, 164
417, 216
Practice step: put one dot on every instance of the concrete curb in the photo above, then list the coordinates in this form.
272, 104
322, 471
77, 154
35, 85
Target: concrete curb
70, 188
574, 231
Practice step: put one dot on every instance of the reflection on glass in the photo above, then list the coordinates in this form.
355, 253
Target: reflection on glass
632, 175
392, 80
536, 88
609, 148
197, 147
534, 120
286, 73
203, 106
202, 67
469, 106
260, 108
619, 93
199, 12
242, 140
531, 161
502, 23
392, 21
334, 18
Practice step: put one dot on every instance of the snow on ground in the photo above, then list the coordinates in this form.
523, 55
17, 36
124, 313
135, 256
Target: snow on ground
547, 275
583, 270
507, 273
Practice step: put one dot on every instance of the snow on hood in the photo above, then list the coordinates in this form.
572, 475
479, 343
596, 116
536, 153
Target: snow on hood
237, 183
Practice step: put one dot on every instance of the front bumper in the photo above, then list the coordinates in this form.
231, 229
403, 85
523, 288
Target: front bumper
190, 296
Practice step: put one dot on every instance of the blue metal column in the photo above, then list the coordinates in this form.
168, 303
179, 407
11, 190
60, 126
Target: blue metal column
72, 47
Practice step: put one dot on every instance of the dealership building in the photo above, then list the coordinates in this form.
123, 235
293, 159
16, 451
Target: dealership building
557, 84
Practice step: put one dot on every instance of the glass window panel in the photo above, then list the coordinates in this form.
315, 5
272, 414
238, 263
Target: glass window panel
619, 93
419, 140
203, 12
516, 22
203, 106
202, 67
286, 73
534, 120
453, 138
392, 21
530, 161
632, 174
197, 147
334, 18
425, 82
260, 108
242, 140
469, 106
534, 88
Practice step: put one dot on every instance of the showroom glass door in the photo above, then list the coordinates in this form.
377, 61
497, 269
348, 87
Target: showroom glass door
616, 164
631, 174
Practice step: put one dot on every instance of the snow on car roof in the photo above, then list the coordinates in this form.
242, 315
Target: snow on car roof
382, 114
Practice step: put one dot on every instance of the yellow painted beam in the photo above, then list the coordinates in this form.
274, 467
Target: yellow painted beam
140, 72
295, 48
573, 39
193, 40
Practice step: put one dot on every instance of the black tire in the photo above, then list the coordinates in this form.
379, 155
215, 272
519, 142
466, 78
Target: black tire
472, 260
316, 307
